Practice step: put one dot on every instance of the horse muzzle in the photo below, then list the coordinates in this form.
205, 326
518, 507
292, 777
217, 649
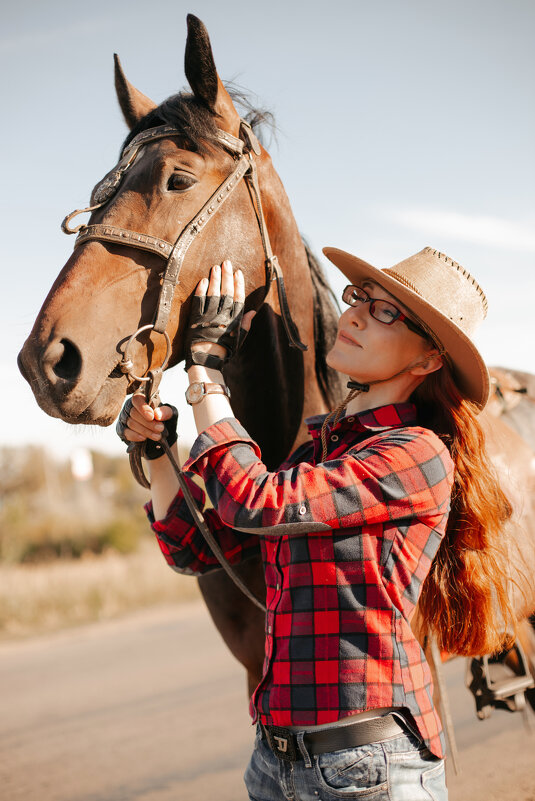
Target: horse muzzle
64, 389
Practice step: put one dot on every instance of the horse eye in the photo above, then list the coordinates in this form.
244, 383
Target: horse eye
179, 182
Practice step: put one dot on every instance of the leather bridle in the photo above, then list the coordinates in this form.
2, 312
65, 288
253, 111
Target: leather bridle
244, 150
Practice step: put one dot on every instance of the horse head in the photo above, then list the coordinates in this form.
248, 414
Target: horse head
155, 229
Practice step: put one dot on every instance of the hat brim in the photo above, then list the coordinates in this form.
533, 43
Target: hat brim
469, 369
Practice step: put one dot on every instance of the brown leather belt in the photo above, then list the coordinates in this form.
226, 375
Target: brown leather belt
283, 742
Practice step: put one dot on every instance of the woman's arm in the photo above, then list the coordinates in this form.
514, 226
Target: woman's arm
147, 423
144, 423
222, 282
181, 542
395, 475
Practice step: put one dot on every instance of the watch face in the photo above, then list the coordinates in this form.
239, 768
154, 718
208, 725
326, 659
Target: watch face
195, 393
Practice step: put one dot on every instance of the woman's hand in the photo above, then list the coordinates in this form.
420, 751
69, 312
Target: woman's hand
217, 325
139, 422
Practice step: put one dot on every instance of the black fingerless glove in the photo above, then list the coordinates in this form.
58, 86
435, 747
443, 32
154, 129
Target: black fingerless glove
217, 319
151, 448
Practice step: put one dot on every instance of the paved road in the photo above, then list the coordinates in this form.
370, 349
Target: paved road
153, 708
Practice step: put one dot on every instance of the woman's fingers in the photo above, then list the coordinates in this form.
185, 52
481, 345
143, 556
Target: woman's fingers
223, 281
202, 286
144, 422
214, 285
227, 278
139, 402
247, 320
143, 429
238, 288
163, 413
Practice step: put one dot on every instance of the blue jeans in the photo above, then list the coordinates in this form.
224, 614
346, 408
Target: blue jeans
400, 769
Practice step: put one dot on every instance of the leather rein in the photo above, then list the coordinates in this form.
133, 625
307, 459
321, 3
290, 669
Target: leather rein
244, 151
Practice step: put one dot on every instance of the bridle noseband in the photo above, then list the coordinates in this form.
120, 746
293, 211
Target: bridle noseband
244, 150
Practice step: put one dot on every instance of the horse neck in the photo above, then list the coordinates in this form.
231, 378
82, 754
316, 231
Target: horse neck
275, 387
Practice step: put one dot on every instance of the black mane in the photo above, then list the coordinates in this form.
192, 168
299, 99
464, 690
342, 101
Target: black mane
196, 122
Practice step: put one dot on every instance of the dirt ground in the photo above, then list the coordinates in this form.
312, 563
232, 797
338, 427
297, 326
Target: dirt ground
153, 708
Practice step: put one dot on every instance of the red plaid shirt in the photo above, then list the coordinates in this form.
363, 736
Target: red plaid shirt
346, 545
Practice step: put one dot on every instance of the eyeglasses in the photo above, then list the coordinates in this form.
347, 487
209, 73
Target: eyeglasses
381, 310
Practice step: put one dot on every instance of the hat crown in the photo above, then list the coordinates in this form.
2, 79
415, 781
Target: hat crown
444, 284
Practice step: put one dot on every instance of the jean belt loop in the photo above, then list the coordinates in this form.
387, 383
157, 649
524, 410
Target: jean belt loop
300, 736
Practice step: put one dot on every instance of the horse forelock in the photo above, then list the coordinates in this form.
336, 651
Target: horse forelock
197, 123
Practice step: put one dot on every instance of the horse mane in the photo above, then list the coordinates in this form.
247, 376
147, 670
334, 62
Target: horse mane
326, 314
198, 123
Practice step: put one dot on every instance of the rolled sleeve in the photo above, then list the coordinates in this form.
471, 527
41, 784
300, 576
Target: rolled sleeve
182, 543
404, 473
224, 432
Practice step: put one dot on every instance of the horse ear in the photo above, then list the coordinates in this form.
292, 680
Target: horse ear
134, 104
200, 69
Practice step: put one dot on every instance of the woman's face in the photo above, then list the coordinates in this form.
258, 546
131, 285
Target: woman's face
368, 350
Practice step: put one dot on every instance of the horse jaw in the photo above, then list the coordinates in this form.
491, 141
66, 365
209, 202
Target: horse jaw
134, 104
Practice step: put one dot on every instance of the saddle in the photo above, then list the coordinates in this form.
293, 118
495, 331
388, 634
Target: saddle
506, 391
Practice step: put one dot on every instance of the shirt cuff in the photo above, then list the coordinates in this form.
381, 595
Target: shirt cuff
227, 431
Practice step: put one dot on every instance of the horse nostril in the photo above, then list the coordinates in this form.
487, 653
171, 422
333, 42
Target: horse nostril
69, 364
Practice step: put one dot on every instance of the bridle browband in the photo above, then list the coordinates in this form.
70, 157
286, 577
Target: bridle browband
244, 151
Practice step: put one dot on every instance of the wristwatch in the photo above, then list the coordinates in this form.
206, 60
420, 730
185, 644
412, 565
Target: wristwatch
198, 389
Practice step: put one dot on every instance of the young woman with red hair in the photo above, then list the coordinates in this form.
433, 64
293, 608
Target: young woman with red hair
355, 528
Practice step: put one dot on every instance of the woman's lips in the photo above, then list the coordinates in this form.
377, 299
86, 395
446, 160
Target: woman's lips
345, 338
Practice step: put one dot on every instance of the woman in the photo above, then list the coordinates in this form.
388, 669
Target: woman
349, 527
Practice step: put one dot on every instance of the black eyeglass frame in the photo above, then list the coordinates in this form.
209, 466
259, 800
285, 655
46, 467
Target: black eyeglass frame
399, 316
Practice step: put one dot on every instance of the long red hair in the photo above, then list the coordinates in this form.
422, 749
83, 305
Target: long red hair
464, 601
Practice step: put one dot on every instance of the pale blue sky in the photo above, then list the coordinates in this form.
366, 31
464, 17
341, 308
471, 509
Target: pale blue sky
401, 124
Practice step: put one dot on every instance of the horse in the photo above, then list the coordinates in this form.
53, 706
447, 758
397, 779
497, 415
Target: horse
110, 287
178, 163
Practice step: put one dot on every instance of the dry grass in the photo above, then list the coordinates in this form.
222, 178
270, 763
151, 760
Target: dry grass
40, 598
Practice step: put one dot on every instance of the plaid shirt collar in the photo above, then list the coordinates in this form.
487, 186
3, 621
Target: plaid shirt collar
373, 420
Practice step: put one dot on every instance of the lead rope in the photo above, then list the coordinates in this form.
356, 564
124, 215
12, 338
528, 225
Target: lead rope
337, 414
198, 517
153, 399
200, 522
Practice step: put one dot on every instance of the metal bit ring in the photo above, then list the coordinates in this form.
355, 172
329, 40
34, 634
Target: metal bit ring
126, 364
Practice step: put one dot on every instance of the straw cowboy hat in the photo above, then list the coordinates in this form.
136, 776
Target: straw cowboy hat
444, 298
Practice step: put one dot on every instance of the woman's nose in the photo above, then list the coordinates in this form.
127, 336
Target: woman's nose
358, 315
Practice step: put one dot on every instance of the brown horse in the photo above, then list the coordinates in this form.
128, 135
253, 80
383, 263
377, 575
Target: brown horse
111, 286
107, 290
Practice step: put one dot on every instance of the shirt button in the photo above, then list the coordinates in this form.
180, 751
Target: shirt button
302, 510
334, 437
269, 629
278, 586
350, 419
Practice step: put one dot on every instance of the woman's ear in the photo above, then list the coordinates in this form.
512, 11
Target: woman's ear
431, 362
